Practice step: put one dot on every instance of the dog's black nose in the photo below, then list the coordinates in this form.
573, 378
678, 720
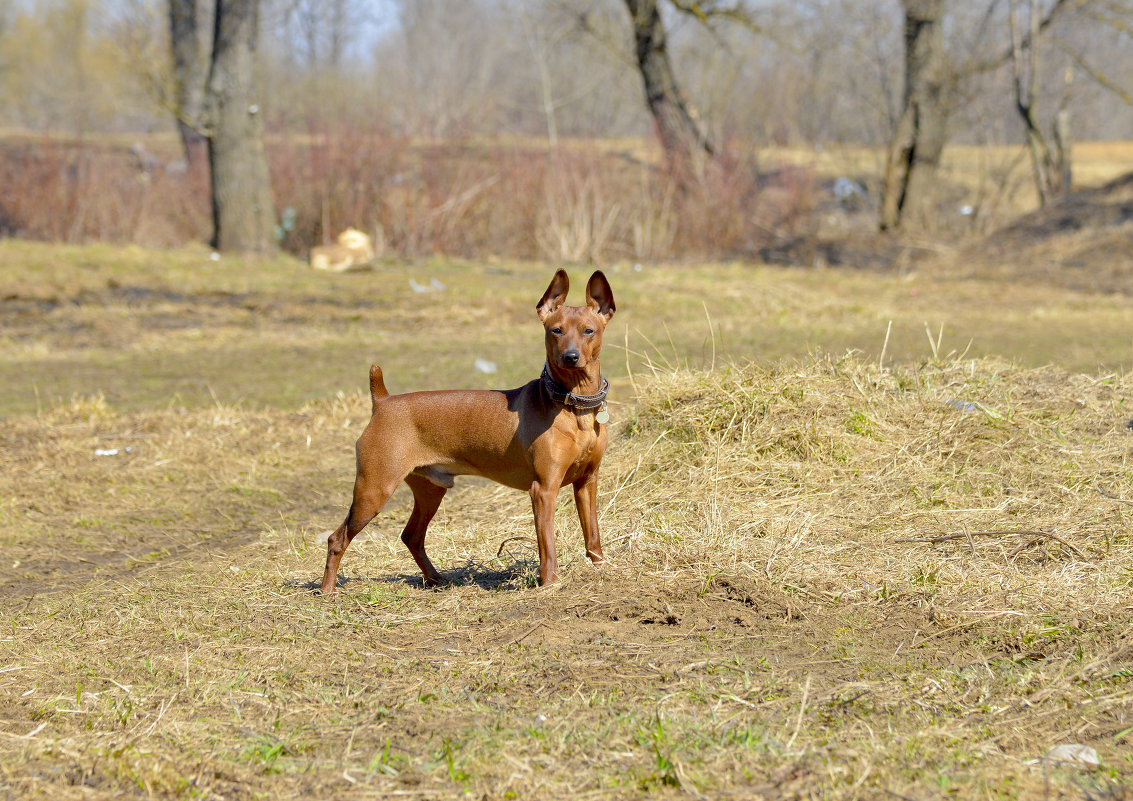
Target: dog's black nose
571, 357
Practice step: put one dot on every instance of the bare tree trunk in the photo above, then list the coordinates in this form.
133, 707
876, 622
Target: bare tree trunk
922, 128
680, 137
1063, 142
243, 216
190, 69
1050, 163
341, 18
537, 43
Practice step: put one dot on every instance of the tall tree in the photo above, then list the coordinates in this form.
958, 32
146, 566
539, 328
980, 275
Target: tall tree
229, 116
936, 80
1050, 157
242, 211
922, 127
324, 30
679, 134
187, 29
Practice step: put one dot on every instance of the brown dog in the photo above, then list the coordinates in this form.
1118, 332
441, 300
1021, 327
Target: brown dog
545, 434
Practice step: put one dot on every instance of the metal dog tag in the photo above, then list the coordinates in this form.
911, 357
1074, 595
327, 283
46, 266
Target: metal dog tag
603, 416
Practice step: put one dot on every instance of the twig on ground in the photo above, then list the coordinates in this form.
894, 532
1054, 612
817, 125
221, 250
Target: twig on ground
500, 552
1035, 534
527, 633
1103, 491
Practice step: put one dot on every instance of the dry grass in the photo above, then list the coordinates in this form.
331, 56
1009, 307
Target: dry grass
831, 581
160, 329
995, 181
897, 573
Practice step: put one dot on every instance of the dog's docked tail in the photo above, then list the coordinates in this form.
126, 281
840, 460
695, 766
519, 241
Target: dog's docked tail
377, 387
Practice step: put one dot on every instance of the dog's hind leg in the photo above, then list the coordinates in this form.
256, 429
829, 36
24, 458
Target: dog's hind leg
369, 499
426, 500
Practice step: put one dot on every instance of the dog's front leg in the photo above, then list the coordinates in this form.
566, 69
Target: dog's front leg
543, 497
586, 501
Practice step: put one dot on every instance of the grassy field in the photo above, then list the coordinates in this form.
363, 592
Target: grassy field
897, 572
148, 329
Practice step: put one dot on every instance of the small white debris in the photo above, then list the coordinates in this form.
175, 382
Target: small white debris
433, 286
1074, 754
847, 188
974, 406
105, 451
214, 256
485, 366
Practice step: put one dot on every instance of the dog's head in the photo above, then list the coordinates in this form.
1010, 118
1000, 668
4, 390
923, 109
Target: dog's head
574, 333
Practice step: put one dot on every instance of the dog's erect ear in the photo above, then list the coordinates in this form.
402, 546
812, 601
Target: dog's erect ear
555, 296
599, 296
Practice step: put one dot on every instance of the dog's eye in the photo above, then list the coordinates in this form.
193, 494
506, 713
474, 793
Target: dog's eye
589, 332
556, 331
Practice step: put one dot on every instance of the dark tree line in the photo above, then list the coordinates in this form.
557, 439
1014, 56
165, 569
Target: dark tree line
219, 107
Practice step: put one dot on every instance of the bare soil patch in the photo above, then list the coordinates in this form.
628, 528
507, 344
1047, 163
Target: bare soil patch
1082, 241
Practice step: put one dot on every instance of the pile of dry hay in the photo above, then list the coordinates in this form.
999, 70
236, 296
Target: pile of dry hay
994, 497
986, 486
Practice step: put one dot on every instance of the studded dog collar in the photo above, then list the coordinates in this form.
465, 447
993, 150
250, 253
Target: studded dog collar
572, 399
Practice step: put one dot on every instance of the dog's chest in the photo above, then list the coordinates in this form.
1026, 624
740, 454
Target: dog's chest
588, 442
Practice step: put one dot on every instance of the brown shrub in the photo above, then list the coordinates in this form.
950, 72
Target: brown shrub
76, 191
578, 203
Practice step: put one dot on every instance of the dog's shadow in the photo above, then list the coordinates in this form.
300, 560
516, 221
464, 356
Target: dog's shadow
517, 575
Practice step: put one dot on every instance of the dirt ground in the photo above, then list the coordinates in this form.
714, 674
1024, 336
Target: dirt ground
1080, 241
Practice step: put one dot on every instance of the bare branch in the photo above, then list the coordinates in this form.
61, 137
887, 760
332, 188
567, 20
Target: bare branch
1035, 535
996, 61
1100, 78
705, 12
1112, 20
